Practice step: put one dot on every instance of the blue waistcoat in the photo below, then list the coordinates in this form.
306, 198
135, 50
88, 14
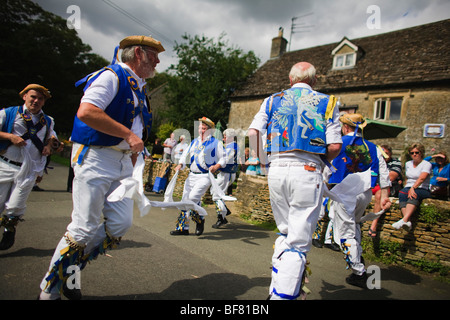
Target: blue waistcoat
121, 109
8, 125
297, 120
231, 167
356, 157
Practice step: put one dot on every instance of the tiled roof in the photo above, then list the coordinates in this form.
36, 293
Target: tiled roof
409, 56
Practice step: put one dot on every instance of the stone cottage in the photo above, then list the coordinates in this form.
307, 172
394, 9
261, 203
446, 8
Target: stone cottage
401, 77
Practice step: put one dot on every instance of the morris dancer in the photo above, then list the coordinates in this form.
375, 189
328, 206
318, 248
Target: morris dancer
26, 139
357, 155
303, 131
204, 154
226, 176
111, 122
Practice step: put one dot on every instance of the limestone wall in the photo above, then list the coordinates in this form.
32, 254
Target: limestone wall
423, 241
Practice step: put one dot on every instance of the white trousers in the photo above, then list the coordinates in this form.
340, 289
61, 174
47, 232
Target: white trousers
296, 200
347, 231
195, 186
92, 215
224, 180
13, 198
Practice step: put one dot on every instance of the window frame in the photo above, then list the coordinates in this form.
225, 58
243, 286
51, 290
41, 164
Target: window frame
377, 114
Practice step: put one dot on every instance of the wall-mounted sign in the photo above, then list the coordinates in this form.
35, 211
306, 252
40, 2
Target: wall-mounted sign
433, 130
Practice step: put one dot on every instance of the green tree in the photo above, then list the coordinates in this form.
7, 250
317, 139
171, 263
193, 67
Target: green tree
206, 75
38, 47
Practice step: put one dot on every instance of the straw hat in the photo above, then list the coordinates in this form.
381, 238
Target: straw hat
353, 120
207, 121
141, 41
36, 87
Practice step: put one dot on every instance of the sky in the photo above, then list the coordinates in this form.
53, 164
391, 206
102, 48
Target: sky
247, 24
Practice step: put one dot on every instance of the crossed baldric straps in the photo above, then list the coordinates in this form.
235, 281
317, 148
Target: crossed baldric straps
33, 129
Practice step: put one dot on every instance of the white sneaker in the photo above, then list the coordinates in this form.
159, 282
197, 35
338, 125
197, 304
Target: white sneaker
400, 223
397, 225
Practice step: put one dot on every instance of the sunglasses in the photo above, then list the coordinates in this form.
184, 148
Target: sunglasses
414, 152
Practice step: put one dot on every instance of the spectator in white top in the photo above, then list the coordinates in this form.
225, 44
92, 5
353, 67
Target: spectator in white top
417, 172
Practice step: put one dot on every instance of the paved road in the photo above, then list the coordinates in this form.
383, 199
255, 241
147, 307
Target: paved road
232, 263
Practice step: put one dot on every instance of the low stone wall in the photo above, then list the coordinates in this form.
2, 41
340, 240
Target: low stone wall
423, 241
155, 169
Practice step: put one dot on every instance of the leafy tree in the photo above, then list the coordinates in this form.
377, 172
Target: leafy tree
38, 47
206, 75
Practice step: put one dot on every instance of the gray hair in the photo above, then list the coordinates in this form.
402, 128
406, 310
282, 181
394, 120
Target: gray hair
128, 54
299, 73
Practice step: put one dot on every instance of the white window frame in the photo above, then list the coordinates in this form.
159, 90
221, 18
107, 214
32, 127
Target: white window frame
346, 57
386, 103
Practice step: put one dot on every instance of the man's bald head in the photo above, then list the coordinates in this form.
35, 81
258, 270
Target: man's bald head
303, 72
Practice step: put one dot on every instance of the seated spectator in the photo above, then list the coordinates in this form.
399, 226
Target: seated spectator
395, 176
441, 175
253, 165
417, 172
244, 165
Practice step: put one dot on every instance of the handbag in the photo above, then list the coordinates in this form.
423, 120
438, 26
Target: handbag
438, 191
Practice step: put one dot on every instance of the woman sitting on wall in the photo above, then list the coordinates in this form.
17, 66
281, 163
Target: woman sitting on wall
441, 176
417, 172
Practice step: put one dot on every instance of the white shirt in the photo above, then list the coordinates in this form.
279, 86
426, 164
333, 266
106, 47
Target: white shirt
413, 173
14, 153
102, 92
333, 133
220, 156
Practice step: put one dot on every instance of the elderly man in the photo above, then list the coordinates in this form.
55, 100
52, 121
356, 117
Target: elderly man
205, 154
113, 117
303, 134
357, 155
226, 176
26, 138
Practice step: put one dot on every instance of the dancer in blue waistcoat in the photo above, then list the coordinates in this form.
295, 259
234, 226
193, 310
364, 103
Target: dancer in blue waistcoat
357, 155
108, 134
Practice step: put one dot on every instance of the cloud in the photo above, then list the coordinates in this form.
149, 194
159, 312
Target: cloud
248, 24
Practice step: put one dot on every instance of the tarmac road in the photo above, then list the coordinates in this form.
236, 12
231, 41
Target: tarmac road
232, 263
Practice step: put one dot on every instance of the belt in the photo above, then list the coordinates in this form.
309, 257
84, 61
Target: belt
124, 151
310, 166
18, 164
198, 172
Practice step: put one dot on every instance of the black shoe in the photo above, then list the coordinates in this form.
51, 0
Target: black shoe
36, 188
316, 243
358, 281
333, 246
200, 227
72, 294
179, 232
7, 240
220, 222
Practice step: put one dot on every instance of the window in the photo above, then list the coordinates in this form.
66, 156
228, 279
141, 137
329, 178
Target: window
344, 55
344, 60
388, 109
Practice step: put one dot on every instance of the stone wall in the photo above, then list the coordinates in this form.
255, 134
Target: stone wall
423, 241
155, 169
420, 106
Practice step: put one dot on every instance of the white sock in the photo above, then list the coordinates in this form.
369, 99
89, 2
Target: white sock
49, 296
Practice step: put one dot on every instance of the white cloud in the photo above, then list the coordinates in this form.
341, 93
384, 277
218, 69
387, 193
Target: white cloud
248, 24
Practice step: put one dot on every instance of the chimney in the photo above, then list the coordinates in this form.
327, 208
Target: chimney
278, 45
